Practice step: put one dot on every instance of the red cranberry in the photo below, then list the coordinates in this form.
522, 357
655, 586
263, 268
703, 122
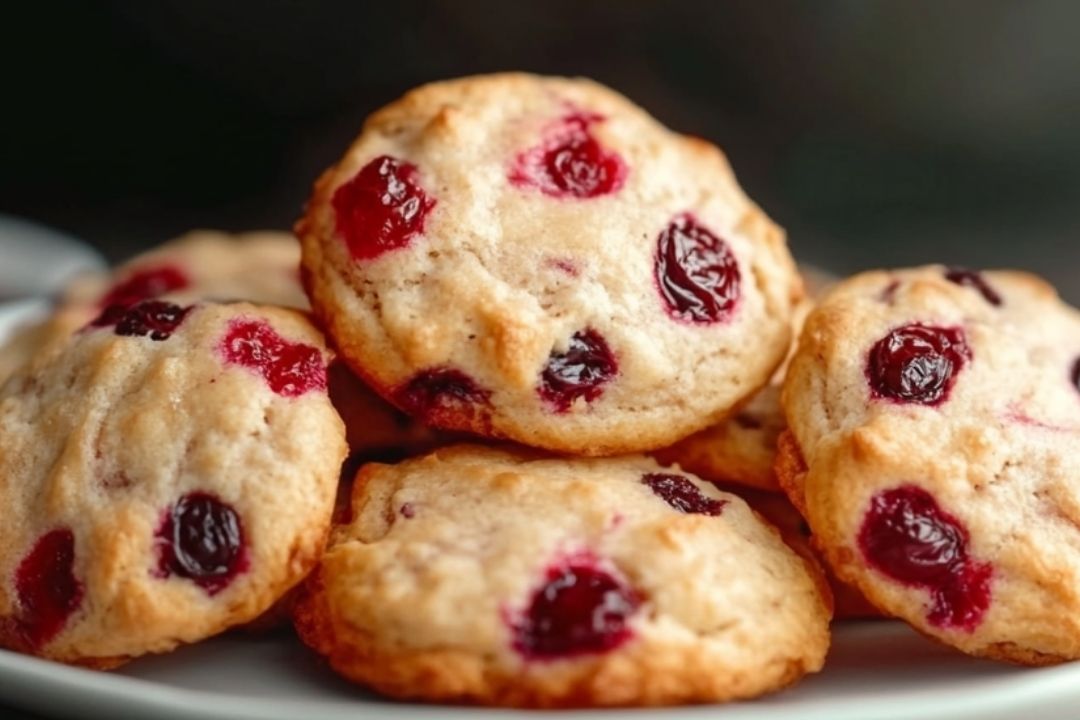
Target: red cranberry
146, 284
683, 495
580, 609
202, 539
570, 162
154, 319
290, 369
1076, 374
381, 208
908, 537
437, 395
581, 371
917, 363
696, 273
973, 279
964, 599
47, 588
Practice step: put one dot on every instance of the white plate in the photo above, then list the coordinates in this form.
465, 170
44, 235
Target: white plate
38, 260
875, 671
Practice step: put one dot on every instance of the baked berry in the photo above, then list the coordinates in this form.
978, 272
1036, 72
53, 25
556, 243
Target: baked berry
570, 162
907, 536
202, 539
917, 363
973, 279
46, 587
1076, 374
696, 273
154, 319
683, 495
580, 609
381, 208
144, 285
290, 369
436, 394
580, 372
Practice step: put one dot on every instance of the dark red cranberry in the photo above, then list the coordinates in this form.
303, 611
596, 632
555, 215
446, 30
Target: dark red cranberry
570, 162
144, 285
154, 319
973, 279
580, 609
696, 273
683, 495
579, 372
963, 600
910, 538
917, 363
47, 588
381, 208
907, 536
437, 395
407, 510
202, 539
1076, 374
290, 369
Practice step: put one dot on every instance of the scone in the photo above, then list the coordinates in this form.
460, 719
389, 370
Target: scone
741, 449
538, 259
260, 267
169, 474
935, 452
485, 576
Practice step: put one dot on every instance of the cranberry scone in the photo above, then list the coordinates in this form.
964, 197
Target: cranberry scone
467, 576
538, 259
168, 474
260, 267
935, 453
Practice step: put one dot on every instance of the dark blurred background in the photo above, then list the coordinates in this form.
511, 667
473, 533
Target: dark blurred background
877, 133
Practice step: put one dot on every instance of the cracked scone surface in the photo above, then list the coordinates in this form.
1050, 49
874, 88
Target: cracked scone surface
538, 259
167, 475
935, 429
467, 576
